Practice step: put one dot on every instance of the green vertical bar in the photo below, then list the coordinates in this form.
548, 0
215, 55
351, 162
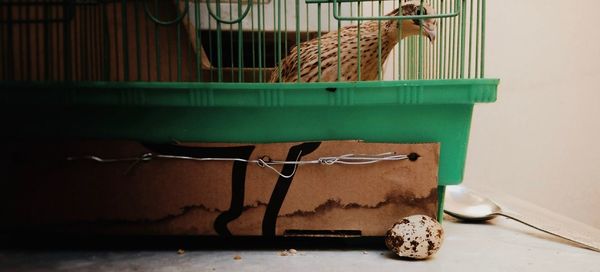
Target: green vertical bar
90, 34
394, 75
86, 41
432, 61
81, 44
116, 27
264, 36
125, 39
470, 39
240, 45
90, 40
260, 33
38, 45
298, 39
21, 38
339, 60
319, 42
28, 46
452, 46
477, 31
106, 44
46, 42
199, 47
448, 45
156, 42
417, 58
252, 32
179, 65
179, 62
483, 19
358, 47
455, 27
463, 39
138, 50
190, 48
420, 41
406, 59
409, 57
219, 45
278, 36
441, 48
400, 69
76, 48
56, 38
231, 55
148, 55
285, 27
379, 64
169, 54
54, 45
429, 60
275, 37
97, 44
458, 29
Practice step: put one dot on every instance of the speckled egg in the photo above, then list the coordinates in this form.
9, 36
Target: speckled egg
416, 236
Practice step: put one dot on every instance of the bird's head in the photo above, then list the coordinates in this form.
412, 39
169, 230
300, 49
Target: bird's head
413, 27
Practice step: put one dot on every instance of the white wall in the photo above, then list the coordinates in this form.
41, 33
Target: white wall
540, 140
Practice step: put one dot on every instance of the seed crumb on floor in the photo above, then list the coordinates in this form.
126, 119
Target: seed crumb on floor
180, 251
237, 257
288, 252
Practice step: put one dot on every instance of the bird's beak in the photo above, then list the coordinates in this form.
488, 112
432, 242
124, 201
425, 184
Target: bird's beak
430, 34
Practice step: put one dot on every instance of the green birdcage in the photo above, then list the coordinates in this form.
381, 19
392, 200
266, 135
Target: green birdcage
198, 71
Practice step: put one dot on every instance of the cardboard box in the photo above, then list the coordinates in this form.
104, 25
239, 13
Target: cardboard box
175, 192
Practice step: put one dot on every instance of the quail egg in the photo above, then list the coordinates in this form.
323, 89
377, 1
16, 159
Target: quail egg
416, 236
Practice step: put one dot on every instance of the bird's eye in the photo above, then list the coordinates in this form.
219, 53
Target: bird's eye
419, 11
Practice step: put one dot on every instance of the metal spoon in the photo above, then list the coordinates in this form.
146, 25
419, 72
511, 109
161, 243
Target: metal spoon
466, 205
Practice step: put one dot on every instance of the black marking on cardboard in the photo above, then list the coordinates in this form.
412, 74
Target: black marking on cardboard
283, 185
238, 175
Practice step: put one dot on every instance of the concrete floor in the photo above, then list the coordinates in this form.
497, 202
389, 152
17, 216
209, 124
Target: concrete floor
261, 260
502, 245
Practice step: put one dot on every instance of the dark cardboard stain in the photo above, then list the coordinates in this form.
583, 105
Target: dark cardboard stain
405, 199
331, 204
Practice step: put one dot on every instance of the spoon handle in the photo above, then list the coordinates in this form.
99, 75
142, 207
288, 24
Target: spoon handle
585, 237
